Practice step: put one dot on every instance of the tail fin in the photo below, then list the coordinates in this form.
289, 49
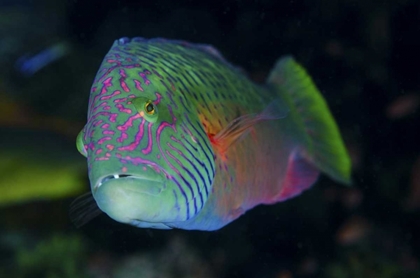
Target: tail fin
324, 147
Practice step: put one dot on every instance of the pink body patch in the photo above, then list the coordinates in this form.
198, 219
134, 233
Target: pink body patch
110, 147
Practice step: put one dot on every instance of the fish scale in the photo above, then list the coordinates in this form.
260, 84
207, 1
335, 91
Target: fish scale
176, 137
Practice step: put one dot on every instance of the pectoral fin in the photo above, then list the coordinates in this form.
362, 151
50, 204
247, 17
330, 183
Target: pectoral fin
239, 127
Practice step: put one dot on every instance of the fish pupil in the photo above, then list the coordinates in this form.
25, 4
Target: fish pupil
150, 109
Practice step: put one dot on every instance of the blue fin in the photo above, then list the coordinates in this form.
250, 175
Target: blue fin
29, 65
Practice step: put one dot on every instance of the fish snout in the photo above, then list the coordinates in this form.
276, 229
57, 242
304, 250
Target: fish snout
129, 198
133, 191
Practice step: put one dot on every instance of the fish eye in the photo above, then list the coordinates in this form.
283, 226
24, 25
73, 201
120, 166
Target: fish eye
146, 108
149, 107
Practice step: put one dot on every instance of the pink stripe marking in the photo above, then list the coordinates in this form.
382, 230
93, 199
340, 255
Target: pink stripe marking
174, 149
105, 126
143, 75
128, 123
117, 92
118, 100
122, 137
108, 132
107, 107
102, 158
102, 140
162, 126
138, 85
124, 86
136, 141
113, 117
176, 160
188, 131
173, 138
158, 134
148, 149
98, 151
106, 83
158, 98
122, 109
99, 106
139, 160
122, 81
96, 123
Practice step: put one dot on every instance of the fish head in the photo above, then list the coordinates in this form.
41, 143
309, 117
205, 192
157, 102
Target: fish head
149, 160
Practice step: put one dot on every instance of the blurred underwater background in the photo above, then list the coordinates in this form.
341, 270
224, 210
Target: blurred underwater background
363, 56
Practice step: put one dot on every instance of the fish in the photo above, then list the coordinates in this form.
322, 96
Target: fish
177, 137
28, 64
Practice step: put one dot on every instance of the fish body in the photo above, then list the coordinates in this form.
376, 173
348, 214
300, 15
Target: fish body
176, 137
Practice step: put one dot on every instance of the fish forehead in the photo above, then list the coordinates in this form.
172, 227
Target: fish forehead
195, 67
143, 67
162, 55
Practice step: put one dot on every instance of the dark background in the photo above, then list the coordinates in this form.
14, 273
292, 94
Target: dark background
364, 57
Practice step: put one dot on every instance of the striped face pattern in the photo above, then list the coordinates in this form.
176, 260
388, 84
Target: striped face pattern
150, 161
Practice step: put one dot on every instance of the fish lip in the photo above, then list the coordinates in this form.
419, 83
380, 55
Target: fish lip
107, 178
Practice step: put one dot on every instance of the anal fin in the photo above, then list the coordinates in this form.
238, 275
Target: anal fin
300, 176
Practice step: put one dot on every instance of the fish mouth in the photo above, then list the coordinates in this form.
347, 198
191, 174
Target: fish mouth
112, 177
127, 178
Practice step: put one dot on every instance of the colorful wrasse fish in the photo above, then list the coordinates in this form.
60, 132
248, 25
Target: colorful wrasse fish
177, 137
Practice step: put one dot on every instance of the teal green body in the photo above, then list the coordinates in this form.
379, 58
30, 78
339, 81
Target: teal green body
177, 137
